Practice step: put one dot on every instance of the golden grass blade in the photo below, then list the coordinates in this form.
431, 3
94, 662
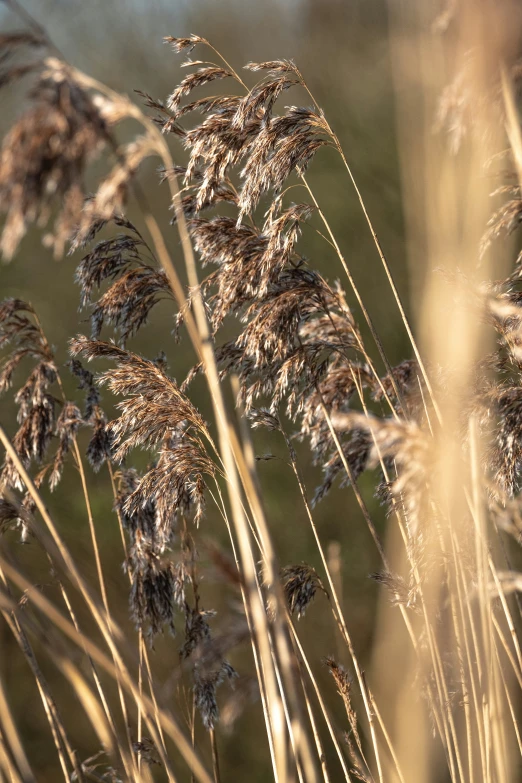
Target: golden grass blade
11, 774
91, 706
10, 736
167, 721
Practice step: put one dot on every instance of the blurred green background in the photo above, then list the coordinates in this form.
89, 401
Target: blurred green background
341, 48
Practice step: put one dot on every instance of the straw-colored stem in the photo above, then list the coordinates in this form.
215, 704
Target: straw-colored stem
281, 641
337, 610
338, 147
323, 706
215, 756
442, 723
201, 337
255, 651
494, 730
364, 310
317, 737
9, 731
142, 647
129, 760
388, 740
56, 725
505, 644
509, 700
391, 281
184, 746
507, 613
460, 587
6, 765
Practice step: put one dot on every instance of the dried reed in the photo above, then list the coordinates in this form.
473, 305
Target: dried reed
442, 429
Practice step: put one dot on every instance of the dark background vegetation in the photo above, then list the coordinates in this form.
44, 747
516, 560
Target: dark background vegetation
341, 48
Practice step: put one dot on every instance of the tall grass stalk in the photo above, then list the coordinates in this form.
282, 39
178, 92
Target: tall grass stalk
442, 430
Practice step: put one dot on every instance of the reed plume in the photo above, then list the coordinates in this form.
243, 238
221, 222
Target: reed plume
436, 437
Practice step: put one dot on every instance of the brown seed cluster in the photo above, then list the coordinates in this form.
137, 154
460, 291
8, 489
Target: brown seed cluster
296, 350
44, 156
301, 583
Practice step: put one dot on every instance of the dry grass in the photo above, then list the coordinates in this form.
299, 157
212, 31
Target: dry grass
442, 429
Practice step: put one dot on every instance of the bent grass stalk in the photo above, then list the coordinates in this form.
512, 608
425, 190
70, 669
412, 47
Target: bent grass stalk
310, 337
